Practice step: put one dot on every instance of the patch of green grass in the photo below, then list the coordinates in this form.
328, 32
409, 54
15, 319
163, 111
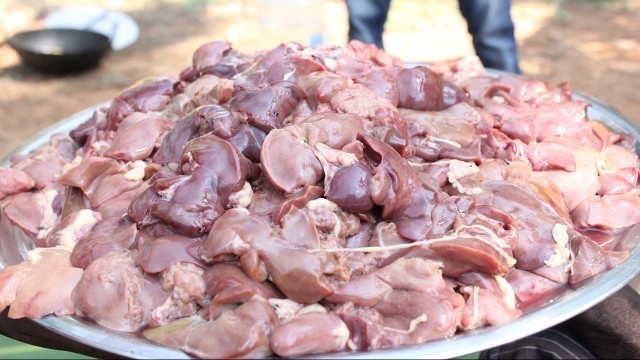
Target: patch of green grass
473, 356
601, 4
606, 3
13, 349
563, 10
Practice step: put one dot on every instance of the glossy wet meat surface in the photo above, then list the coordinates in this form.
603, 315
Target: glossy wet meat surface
300, 201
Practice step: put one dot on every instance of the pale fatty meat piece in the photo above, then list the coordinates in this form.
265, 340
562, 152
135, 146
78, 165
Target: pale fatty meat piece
299, 201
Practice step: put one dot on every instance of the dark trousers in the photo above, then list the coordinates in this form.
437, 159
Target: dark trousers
489, 23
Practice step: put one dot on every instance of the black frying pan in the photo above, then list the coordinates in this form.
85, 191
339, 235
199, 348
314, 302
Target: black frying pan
60, 50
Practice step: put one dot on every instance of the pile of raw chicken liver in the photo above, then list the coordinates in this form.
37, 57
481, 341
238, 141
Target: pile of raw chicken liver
301, 201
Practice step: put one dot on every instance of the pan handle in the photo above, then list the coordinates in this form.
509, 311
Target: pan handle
100, 17
96, 20
114, 29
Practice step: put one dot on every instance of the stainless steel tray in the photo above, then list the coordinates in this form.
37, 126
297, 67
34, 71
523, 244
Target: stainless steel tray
543, 314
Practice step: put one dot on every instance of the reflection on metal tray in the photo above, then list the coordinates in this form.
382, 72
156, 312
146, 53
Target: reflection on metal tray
547, 312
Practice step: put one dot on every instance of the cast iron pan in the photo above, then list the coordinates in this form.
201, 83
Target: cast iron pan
60, 50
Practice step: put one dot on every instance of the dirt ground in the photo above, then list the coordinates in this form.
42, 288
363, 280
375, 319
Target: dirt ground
592, 44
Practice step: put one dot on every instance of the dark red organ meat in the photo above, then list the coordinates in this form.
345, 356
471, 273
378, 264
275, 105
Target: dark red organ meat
303, 200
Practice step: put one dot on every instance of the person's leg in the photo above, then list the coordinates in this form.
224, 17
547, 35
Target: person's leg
366, 20
490, 25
